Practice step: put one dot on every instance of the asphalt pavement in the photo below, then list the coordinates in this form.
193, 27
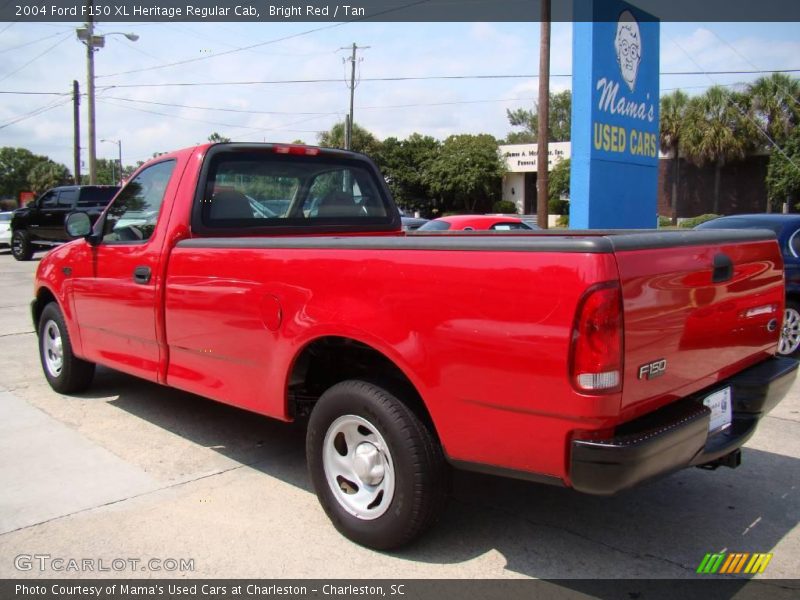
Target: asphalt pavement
170, 484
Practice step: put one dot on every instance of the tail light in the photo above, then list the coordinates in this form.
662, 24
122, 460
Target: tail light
296, 150
596, 352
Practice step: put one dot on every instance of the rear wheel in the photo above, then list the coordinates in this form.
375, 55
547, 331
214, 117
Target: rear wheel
65, 372
377, 469
790, 332
21, 247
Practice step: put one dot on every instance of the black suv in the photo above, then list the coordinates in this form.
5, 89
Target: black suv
40, 225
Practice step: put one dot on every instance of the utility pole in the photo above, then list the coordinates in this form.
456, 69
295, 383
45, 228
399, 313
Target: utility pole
92, 41
348, 136
542, 181
90, 94
76, 119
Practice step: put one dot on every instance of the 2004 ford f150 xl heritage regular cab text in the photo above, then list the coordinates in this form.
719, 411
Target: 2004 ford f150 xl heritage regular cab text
277, 279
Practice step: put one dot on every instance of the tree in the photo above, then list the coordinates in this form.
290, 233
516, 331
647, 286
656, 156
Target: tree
107, 171
776, 104
466, 173
363, 141
558, 191
560, 121
717, 132
403, 163
783, 173
15, 167
47, 174
216, 138
673, 127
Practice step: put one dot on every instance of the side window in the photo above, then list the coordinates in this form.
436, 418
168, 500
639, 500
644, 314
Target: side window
49, 200
92, 197
67, 198
509, 226
133, 215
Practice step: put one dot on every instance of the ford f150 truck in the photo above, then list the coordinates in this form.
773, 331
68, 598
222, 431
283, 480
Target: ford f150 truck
276, 278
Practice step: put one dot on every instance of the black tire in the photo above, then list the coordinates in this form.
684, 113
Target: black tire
21, 247
420, 475
789, 344
74, 374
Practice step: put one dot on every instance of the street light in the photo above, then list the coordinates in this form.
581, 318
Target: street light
119, 146
91, 41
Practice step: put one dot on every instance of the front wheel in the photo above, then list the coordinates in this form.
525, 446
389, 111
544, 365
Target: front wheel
790, 332
21, 247
65, 372
377, 469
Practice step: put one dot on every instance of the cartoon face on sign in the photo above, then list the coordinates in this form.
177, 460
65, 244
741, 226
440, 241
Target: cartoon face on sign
628, 44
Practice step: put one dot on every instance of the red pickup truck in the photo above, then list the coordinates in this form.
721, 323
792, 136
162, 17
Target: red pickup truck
276, 278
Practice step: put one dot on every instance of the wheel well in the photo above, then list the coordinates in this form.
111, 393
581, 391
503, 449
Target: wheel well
329, 360
43, 298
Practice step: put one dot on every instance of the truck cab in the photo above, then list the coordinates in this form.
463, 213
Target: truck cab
40, 224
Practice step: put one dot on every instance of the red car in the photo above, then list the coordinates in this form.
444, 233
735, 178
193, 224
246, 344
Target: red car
475, 223
277, 279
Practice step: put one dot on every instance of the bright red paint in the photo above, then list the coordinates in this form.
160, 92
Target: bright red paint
485, 337
475, 222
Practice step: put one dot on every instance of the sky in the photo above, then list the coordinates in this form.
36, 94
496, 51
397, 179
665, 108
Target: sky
148, 115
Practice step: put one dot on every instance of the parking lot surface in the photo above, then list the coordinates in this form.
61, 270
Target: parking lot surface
132, 470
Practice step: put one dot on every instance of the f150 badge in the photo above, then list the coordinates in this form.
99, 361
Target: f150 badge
653, 369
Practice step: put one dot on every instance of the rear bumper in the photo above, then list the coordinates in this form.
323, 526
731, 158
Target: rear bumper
676, 436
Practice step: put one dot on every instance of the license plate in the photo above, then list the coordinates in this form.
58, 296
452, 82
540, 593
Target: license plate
720, 405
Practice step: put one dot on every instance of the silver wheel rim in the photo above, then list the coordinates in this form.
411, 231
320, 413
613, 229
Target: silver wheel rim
16, 245
790, 333
358, 467
53, 349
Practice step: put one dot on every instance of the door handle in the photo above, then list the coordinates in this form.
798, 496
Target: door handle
723, 268
142, 275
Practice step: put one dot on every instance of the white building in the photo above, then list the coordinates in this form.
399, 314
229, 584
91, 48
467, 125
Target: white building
522, 163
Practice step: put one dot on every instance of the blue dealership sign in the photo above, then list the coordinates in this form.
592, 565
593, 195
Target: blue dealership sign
615, 96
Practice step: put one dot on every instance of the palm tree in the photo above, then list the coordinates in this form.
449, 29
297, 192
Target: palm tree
776, 108
776, 102
717, 131
673, 125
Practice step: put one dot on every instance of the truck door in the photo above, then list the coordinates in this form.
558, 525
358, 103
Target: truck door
41, 212
116, 300
52, 223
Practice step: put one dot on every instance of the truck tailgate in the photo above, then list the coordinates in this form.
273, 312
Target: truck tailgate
698, 307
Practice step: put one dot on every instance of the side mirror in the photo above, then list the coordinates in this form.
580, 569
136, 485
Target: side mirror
78, 225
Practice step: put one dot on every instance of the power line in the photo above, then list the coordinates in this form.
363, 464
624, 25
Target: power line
418, 78
274, 112
748, 61
220, 109
37, 57
217, 123
260, 44
35, 113
47, 37
26, 93
742, 112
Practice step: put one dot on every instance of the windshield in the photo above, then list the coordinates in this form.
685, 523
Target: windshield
435, 226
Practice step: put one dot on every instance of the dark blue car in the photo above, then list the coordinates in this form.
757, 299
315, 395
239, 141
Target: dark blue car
786, 228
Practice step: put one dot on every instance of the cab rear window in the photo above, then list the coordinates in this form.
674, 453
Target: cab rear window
264, 190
